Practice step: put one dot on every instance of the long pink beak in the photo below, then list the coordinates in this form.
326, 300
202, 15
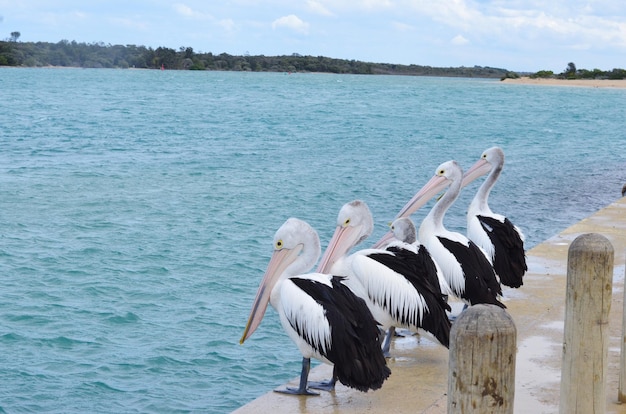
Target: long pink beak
430, 189
480, 168
434, 186
388, 237
280, 260
342, 241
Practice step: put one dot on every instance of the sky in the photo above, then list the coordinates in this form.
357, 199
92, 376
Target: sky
523, 36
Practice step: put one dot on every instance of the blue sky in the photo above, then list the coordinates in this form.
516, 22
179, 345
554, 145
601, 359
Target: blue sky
527, 35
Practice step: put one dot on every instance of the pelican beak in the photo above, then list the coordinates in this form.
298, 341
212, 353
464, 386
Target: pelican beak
342, 241
380, 244
430, 189
280, 260
480, 168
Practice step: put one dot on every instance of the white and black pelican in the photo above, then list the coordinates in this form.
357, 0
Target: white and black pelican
500, 239
399, 283
403, 229
466, 267
320, 314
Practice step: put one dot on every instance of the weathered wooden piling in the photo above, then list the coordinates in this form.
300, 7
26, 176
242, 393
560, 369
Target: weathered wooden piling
621, 392
482, 361
586, 337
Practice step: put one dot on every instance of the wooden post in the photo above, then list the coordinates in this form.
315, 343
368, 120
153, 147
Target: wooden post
481, 375
586, 337
621, 393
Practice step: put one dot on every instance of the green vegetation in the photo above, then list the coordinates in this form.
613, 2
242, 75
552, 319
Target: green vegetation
510, 75
99, 55
543, 74
571, 72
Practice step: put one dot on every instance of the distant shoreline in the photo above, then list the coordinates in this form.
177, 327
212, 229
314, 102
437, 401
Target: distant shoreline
589, 83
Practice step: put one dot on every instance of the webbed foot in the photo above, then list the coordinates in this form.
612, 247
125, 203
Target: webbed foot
328, 385
297, 391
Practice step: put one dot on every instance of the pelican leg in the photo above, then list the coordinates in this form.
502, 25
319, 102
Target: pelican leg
452, 318
304, 377
328, 385
387, 342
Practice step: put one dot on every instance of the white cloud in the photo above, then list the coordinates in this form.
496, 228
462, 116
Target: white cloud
64, 18
454, 13
183, 9
79, 15
402, 27
459, 40
188, 12
292, 22
575, 24
130, 23
376, 4
349, 6
227, 24
318, 8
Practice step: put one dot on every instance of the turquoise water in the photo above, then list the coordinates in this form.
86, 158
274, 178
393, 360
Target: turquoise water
137, 210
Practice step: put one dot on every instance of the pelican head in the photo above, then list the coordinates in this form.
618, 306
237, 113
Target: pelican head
354, 224
296, 248
442, 179
403, 229
492, 158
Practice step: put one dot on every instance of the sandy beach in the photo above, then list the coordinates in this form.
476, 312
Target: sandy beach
589, 83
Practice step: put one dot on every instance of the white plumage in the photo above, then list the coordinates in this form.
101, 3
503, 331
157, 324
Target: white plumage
466, 267
320, 314
497, 235
395, 282
301, 310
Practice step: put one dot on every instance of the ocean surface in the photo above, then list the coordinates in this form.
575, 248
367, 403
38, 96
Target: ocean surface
137, 210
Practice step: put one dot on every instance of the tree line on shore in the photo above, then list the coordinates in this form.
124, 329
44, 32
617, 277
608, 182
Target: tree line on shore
571, 72
100, 55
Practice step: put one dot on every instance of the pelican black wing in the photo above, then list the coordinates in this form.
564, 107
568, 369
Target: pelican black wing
509, 257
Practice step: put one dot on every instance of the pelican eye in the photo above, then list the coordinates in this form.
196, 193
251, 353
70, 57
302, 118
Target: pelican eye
279, 244
441, 171
346, 223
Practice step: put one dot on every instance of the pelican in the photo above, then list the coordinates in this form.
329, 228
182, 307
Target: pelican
399, 283
466, 267
320, 314
402, 229
500, 239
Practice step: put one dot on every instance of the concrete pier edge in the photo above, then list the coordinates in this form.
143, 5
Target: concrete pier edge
418, 383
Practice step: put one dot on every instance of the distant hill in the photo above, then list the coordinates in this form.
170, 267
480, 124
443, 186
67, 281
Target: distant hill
99, 55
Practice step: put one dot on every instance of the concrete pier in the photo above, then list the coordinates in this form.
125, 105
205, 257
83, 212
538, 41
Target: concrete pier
419, 379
